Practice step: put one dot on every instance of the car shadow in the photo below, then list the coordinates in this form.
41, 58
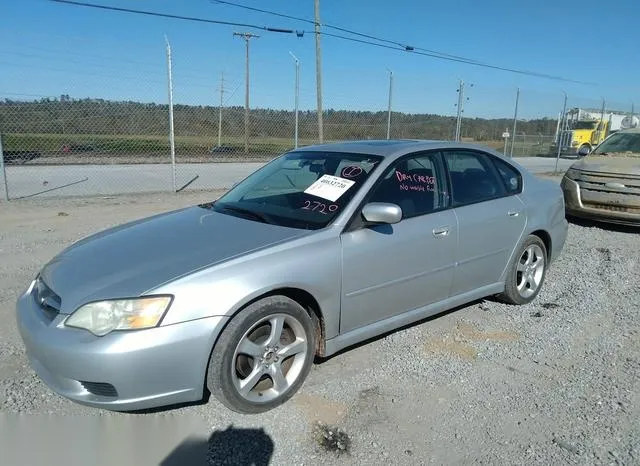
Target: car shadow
232, 446
385, 229
614, 227
321, 360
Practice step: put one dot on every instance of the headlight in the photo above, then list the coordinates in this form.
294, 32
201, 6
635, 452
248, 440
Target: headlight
572, 173
102, 317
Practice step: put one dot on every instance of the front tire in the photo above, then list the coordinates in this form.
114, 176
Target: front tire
526, 273
263, 356
588, 146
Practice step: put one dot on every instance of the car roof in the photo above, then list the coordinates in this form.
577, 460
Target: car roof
628, 130
392, 147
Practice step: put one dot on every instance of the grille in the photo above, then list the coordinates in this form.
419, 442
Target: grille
566, 138
45, 297
100, 388
598, 182
613, 208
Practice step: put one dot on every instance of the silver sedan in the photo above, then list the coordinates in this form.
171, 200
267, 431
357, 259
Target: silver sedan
323, 247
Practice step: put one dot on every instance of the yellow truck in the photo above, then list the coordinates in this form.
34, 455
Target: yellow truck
584, 129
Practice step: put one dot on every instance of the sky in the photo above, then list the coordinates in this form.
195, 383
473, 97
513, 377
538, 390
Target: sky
49, 49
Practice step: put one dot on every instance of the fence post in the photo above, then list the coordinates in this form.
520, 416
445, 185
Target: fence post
389, 107
4, 171
171, 131
297, 97
505, 135
515, 122
564, 116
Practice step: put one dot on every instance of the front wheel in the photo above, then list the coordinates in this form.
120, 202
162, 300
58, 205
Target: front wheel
584, 147
526, 272
263, 356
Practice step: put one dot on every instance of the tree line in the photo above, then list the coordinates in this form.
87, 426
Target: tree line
65, 115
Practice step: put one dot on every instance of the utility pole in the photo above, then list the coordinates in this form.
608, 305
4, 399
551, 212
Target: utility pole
460, 110
389, 111
601, 125
171, 129
297, 94
318, 70
247, 36
564, 115
515, 122
220, 109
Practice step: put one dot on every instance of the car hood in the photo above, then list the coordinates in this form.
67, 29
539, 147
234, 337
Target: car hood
609, 164
133, 258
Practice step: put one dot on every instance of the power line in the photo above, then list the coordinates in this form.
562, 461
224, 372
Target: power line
102, 58
512, 70
185, 77
338, 28
396, 46
166, 15
404, 46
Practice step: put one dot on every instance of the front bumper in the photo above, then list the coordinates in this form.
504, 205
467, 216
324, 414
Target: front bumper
575, 207
121, 371
564, 150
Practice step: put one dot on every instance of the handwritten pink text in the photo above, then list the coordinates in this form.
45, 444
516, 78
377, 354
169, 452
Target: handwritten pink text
403, 177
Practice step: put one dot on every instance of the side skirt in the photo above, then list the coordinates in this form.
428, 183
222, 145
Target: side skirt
375, 329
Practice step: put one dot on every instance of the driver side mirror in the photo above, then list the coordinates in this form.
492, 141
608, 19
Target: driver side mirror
583, 151
381, 212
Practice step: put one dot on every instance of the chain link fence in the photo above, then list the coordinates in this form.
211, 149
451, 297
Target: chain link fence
175, 141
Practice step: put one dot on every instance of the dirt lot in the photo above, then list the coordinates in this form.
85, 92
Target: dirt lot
557, 381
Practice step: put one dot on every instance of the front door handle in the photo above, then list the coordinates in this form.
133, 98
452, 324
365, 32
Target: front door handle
513, 213
442, 231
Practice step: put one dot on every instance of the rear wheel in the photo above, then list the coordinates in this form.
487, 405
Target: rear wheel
526, 272
263, 356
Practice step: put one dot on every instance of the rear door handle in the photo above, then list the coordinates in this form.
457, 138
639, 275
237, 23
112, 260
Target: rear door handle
513, 213
442, 231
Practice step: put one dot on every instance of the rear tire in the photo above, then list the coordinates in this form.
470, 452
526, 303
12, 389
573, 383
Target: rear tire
526, 273
263, 356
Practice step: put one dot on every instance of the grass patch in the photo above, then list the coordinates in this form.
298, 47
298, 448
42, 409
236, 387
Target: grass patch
62, 144
98, 148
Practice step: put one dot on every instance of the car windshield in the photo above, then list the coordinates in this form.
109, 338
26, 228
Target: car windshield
585, 125
301, 189
620, 145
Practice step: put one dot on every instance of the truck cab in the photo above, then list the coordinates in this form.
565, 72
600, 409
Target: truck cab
582, 130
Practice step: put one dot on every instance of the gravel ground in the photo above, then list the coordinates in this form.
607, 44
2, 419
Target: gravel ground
556, 381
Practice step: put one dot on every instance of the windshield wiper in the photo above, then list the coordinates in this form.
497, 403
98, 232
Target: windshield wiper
251, 213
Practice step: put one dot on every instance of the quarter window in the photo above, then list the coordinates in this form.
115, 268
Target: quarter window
511, 177
416, 184
473, 177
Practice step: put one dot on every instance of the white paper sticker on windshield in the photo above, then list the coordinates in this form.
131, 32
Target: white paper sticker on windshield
329, 187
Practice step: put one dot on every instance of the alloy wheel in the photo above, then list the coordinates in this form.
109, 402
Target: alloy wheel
530, 270
269, 358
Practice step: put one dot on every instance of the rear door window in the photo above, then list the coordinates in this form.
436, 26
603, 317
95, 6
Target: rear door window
473, 177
